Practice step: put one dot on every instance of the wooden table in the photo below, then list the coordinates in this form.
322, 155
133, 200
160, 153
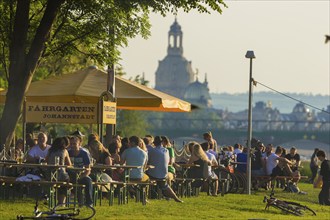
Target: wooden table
185, 167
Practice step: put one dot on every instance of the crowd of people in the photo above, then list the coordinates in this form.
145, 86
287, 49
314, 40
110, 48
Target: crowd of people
157, 152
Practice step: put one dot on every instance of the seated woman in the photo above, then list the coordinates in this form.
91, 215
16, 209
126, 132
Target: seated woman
114, 149
59, 150
199, 158
101, 156
212, 177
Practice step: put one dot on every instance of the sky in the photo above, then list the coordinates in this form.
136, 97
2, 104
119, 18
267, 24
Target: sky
287, 37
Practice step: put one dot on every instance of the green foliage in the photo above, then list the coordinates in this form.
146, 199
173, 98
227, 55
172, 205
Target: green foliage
93, 29
132, 123
43, 36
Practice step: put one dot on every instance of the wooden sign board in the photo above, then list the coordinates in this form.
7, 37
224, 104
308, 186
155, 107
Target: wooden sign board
74, 113
109, 112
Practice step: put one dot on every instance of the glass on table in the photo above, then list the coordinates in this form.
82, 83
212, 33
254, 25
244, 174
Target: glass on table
57, 160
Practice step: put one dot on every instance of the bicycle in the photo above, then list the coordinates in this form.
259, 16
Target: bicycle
70, 211
288, 207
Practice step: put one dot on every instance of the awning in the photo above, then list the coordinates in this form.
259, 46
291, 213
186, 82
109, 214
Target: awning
86, 86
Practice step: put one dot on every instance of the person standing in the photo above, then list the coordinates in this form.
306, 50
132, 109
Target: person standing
324, 197
313, 165
212, 142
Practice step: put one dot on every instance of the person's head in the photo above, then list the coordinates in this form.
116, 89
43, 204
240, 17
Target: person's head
245, 150
158, 141
150, 138
237, 146
198, 152
60, 143
293, 151
279, 150
96, 148
205, 146
190, 146
316, 150
19, 144
165, 141
75, 142
92, 137
116, 138
29, 136
142, 145
134, 141
114, 148
269, 148
125, 141
321, 155
261, 146
147, 141
42, 139
207, 136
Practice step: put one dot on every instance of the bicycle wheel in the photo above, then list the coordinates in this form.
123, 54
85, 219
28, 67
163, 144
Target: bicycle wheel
74, 211
287, 209
241, 182
302, 208
225, 181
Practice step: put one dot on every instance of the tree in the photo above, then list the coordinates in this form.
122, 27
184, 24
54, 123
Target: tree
31, 31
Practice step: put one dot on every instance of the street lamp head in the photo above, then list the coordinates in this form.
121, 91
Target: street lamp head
250, 54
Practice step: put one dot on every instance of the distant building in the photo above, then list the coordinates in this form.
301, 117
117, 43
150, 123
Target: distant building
175, 76
264, 117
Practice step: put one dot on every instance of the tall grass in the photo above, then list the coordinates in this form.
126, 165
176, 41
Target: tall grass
305, 170
231, 206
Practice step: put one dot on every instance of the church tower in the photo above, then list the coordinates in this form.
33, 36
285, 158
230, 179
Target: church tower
174, 72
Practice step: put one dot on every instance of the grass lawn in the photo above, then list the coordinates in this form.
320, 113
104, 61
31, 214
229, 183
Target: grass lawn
231, 206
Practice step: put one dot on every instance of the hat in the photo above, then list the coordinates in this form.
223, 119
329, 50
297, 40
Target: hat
78, 133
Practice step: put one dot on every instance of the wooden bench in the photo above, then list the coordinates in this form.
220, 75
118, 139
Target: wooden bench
141, 190
9, 187
109, 188
184, 186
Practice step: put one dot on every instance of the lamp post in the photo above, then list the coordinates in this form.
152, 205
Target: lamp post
250, 55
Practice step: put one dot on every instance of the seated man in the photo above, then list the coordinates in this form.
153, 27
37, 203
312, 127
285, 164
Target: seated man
294, 157
135, 156
159, 158
283, 166
80, 158
39, 152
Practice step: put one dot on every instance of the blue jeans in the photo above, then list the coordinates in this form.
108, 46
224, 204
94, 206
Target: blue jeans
87, 181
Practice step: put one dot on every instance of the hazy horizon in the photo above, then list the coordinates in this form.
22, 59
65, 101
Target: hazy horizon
288, 38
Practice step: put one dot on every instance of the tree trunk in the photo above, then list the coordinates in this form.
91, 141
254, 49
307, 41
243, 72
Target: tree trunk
22, 65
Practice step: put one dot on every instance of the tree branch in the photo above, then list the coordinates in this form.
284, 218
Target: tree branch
42, 34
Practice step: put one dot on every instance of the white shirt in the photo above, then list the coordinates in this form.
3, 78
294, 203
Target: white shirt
271, 163
237, 151
37, 152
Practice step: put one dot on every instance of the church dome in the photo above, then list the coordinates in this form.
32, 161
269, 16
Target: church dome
198, 94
